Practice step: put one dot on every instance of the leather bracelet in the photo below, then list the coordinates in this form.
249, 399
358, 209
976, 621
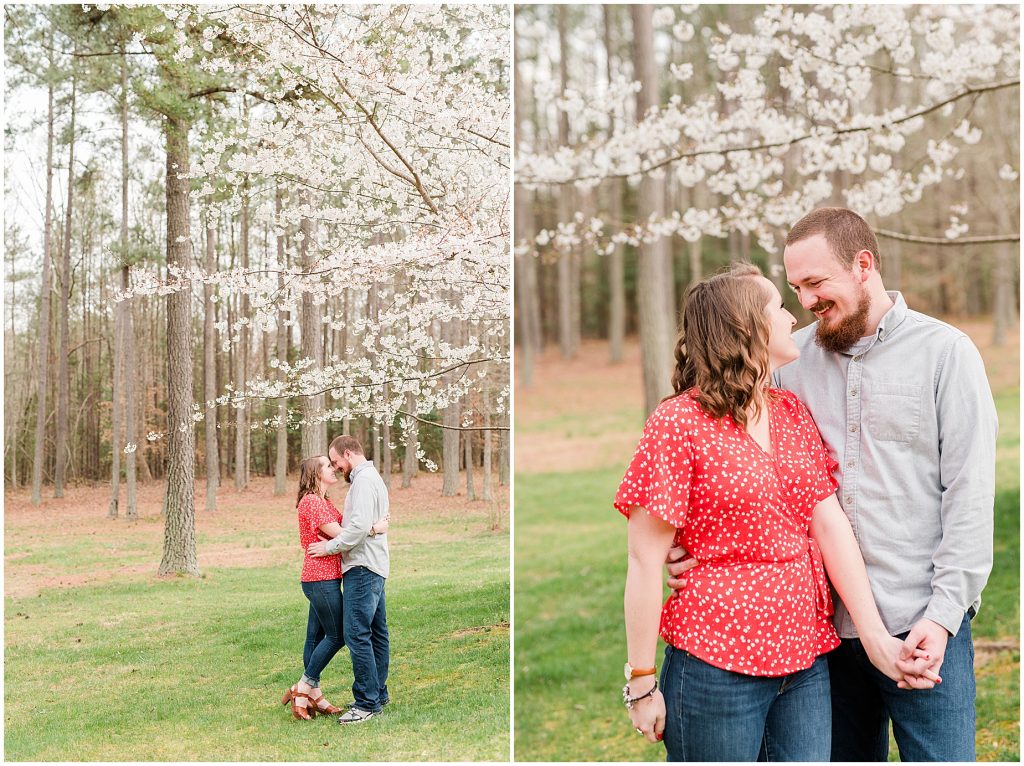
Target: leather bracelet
630, 701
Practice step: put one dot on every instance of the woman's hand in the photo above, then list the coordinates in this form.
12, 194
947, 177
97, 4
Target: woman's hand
648, 714
381, 527
884, 651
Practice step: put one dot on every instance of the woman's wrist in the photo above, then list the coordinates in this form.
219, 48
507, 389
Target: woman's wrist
641, 685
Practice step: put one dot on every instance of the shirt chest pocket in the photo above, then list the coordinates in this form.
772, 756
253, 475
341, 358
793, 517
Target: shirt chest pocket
893, 411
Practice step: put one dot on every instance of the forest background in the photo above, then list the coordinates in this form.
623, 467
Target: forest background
231, 233
655, 146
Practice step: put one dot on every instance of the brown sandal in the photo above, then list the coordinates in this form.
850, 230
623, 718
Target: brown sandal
323, 707
301, 712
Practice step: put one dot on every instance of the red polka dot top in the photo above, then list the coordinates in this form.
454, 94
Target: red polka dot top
315, 511
758, 602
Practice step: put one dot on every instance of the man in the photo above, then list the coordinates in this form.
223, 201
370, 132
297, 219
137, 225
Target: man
904, 406
365, 566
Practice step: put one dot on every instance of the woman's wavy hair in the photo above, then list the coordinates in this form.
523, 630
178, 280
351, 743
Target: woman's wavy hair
723, 347
309, 477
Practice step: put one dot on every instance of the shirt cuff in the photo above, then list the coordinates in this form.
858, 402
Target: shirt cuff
945, 613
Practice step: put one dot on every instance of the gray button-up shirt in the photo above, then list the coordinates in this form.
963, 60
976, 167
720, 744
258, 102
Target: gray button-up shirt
365, 504
908, 414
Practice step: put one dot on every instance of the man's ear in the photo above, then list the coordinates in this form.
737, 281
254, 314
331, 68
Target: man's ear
865, 259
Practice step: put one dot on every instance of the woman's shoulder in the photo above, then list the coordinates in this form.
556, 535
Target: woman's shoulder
679, 412
788, 402
310, 501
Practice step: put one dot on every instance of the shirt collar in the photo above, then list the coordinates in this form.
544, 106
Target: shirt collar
359, 468
893, 317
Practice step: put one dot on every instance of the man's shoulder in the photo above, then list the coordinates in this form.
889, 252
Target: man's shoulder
922, 326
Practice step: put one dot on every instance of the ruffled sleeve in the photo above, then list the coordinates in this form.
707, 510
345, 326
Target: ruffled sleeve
658, 477
317, 512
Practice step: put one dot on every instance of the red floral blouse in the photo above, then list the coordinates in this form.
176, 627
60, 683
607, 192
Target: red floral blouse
758, 602
315, 511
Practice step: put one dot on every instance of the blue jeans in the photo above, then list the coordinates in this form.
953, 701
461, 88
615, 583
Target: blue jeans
928, 725
366, 633
717, 715
324, 627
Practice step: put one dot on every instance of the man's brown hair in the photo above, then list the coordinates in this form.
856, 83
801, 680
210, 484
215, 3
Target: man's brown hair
343, 444
845, 231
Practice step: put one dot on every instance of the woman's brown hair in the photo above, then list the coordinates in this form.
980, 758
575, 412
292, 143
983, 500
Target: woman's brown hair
723, 348
309, 477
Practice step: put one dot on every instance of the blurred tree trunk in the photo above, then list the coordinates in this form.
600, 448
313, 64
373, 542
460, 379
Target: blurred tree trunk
45, 295
616, 264
242, 359
452, 421
470, 481
281, 453
568, 281
179, 502
525, 265
210, 372
63, 373
314, 435
654, 313
410, 465
488, 488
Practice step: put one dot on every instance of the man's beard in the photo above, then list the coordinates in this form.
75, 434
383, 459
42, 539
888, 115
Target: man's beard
840, 335
348, 475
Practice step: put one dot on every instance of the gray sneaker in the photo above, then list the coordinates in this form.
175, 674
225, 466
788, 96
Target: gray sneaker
355, 715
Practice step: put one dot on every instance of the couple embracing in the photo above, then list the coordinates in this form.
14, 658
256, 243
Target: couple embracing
761, 519
351, 546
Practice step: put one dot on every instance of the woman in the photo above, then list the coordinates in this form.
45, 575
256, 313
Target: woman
321, 583
735, 472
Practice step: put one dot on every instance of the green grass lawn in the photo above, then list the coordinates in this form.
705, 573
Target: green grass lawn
186, 669
570, 640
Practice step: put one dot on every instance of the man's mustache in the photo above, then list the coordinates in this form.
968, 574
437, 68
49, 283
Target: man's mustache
821, 306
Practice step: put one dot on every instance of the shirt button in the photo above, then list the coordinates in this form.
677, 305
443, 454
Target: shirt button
857, 358
853, 392
849, 499
853, 428
850, 464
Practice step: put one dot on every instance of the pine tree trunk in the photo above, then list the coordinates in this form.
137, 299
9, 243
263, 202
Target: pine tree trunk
45, 290
470, 483
210, 373
281, 454
314, 435
131, 417
525, 288
241, 362
505, 452
410, 465
63, 374
452, 421
654, 273
616, 261
488, 489
179, 528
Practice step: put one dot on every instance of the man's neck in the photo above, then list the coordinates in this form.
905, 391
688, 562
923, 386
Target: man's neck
356, 461
880, 305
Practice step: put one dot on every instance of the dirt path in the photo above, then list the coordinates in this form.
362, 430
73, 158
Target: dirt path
251, 528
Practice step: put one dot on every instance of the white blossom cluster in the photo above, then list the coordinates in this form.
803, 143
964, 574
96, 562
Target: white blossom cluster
387, 128
804, 98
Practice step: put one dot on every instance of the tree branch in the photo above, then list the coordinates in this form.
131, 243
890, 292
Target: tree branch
983, 240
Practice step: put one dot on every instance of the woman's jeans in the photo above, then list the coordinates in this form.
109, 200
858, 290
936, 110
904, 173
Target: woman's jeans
717, 715
324, 628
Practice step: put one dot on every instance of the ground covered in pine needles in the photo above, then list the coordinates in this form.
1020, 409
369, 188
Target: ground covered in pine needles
575, 429
140, 667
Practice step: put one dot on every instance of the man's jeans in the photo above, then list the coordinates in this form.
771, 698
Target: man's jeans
323, 627
366, 634
717, 715
928, 725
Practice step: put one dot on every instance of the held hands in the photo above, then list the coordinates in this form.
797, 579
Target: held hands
648, 714
381, 527
913, 673
679, 561
926, 638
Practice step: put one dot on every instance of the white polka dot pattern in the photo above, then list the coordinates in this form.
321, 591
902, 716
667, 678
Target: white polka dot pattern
758, 603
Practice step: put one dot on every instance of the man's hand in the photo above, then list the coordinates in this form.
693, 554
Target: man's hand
925, 637
679, 561
318, 549
382, 526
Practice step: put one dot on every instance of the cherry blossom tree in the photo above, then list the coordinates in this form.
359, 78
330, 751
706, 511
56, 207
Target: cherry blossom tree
782, 109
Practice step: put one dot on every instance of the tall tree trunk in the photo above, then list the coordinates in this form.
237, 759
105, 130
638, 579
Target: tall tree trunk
452, 420
120, 310
616, 261
411, 463
131, 416
566, 282
505, 451
314, 435
526, 281
63, 374
281, 454
45, 290
242, 359
179, 527
210, 372
470, 482
488, 491
654, 274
